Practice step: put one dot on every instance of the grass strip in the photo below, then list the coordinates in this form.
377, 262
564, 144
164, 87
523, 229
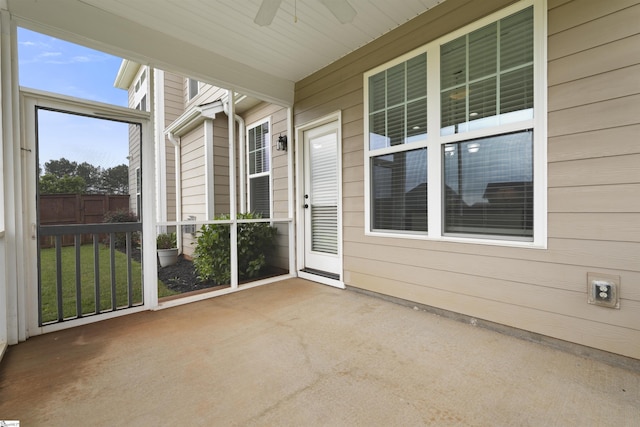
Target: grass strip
49, 288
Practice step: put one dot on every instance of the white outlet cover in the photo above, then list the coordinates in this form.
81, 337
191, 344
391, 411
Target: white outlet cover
593, 282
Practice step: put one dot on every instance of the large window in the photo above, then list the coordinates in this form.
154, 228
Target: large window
486, 76
258, 153
488, 186
398, 104
454, 133
399, 185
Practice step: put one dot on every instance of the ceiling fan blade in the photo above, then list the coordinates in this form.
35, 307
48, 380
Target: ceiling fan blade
341, 9
267, 12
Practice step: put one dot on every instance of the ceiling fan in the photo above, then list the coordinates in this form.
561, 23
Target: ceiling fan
341, 9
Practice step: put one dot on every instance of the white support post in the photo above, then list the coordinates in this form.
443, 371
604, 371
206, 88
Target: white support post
15, 233
149, 219
177, 161
232, 190
161, 153
4, 276
291, 192
242, 160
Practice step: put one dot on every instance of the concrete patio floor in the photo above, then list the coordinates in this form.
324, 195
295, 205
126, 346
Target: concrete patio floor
295, 353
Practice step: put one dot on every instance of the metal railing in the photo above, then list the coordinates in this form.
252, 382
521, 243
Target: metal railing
96, 231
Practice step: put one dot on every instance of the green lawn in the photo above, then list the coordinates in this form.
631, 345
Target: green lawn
48, 281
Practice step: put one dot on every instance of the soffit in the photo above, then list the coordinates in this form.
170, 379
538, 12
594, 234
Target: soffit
217, 41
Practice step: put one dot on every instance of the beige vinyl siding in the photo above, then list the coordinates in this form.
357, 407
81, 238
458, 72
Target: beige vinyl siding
134, 163
595, 189
134, 155
221, 165
279, 175
593, 183
279, 165
193, 162
206, 93
173, 108
192, 181
593, 122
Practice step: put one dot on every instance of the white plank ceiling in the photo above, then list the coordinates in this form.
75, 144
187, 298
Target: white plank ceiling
286, 48
303, 37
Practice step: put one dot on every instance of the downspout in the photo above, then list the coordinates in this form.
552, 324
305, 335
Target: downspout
232, 192
178, 168
241, 155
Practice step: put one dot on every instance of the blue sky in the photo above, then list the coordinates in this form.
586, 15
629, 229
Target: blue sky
55, 65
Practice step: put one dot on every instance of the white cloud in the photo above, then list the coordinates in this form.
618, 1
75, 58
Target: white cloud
81, 59
57, 66
59, 58
44, 49
39, 44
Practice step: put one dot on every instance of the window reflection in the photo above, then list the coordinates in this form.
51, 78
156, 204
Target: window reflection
489, 186
400, 191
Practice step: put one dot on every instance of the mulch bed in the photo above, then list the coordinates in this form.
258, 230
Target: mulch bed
182, 276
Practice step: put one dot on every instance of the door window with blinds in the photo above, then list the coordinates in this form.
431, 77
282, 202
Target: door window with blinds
323, 197
258, 154
451, 134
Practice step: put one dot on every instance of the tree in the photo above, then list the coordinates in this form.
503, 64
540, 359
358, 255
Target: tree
92, 175
64, 176
60, 168
115, 180
51, 184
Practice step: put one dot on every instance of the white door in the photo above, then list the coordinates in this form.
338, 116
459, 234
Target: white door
321, 201
80, 269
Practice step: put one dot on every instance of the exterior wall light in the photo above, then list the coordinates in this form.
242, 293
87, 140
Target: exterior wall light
282, 143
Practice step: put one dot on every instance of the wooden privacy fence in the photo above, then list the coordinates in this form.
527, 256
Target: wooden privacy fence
64, 209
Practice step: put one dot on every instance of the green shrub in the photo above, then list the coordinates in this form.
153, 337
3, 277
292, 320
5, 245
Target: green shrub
122, 215
166, 241
212, 256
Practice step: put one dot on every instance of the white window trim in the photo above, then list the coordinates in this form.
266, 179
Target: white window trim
434, 140
138, 192
258, 175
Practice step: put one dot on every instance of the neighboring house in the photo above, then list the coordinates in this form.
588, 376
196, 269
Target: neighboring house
192, 149
136, 78
481, 159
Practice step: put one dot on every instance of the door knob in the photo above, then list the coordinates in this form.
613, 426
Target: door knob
306, 206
